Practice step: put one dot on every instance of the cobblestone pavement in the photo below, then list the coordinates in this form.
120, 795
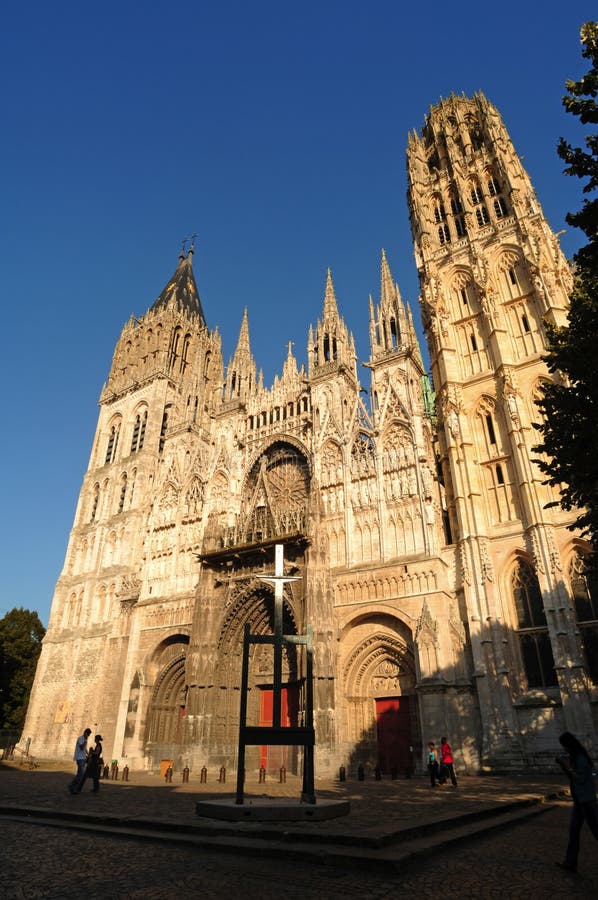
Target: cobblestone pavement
377, 808
42, 861
50, 863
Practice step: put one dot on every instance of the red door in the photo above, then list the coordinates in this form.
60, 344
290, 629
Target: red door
273, 757
393, 724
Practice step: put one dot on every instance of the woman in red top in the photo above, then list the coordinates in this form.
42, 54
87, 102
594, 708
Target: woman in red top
446, 761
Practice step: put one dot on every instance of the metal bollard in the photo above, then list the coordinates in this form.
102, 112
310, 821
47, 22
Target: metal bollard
360, 773
262, 778
106, 772
378, 773
203, 775
126, 773
283, 775
342, 774
114, 771
168, 776
185, 774
222, 775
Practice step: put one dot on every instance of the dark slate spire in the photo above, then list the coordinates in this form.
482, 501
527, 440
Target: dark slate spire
181, 291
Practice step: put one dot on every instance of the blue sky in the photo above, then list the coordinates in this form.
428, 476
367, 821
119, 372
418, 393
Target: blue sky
277, 133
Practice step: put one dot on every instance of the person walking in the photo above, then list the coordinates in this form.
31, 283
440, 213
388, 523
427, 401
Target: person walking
577, 765
95, 763
432, 763
80, 757
447, 764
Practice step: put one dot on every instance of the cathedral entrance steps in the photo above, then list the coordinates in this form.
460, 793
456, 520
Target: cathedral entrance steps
389, 825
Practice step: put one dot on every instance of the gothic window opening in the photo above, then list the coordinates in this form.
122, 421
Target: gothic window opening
136, 429
439, 212
583, 578
482, 217
493, 186
164, 427
112, 443
185, 353
174, 348
444, 234
394, 334
123, 493
142, 430
473, 356
491, 431
532, 630
500, 208
524, 331
95, 501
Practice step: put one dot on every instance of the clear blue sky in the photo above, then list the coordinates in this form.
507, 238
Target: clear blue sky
277, 132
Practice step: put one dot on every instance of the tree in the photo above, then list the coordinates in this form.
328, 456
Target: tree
570, 403
21, 634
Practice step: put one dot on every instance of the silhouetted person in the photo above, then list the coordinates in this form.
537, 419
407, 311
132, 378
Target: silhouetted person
432, 763
577, 765
80, 757
95, 763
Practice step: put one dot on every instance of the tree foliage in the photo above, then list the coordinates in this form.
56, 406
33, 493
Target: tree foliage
570, 403
21, 634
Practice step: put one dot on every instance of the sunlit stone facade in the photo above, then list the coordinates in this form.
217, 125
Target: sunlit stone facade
445, 598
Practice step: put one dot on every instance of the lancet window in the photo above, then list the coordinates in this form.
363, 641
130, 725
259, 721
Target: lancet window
139, 431
123, 492
532, 630
112, 445
94, 502
164, 427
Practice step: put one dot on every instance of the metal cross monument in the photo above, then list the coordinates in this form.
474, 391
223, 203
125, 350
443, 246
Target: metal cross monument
278, 734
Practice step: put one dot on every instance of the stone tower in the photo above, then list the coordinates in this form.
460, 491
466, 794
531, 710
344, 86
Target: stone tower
491, 273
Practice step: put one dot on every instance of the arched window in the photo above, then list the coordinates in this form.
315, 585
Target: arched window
500, 494
174, 347
477, 199
583, 579
123, 492
139, 431
185, 353
112, 445
444, 234
532, 631
94, 502
164, 427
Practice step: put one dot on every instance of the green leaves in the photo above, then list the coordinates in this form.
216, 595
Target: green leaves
570, 403
21, 634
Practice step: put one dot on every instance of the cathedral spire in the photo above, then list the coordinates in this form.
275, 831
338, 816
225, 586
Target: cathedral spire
330, 344
240, 383
181, 291
389, 327
330, 305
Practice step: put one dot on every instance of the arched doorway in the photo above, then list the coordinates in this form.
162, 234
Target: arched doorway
167, 709
380, 701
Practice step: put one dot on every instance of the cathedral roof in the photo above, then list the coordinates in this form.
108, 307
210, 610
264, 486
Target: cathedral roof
181, 291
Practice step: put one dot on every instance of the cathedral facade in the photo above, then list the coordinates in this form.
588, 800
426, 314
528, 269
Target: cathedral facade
443, 595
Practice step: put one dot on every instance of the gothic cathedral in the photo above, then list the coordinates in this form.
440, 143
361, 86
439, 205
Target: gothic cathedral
443, 594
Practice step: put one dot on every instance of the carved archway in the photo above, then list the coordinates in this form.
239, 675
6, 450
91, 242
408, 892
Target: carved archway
379, 678
167, 707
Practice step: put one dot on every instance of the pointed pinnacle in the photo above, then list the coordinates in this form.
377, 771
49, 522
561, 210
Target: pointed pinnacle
330, 306
386, 282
